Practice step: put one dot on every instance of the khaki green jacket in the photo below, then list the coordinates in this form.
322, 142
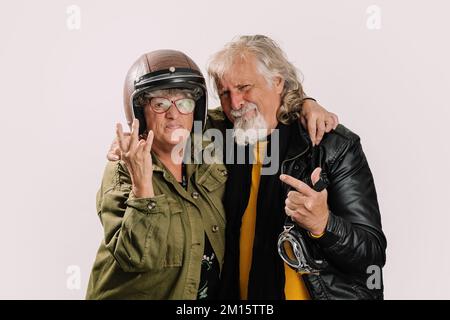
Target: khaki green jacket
153, 247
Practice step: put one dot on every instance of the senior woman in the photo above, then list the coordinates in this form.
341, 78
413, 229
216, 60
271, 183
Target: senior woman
163, 219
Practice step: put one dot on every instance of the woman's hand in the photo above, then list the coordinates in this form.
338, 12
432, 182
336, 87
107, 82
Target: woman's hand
137, 158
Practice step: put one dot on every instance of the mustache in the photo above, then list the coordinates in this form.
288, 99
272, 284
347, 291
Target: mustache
246, 108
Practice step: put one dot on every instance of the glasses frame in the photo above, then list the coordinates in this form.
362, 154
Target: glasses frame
173, 103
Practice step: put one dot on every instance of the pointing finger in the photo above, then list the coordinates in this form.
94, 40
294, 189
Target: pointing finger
299, 185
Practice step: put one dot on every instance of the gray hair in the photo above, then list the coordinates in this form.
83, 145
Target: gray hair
271, 62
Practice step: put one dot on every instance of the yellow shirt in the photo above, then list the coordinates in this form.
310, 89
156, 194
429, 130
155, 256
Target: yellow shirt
294, 288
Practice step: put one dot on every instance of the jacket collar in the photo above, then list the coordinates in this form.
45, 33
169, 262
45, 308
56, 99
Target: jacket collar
299, 141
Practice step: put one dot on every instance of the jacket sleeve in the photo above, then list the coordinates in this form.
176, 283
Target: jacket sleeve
128, 222
353, 239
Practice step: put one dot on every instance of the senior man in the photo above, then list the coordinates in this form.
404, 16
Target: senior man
259, 91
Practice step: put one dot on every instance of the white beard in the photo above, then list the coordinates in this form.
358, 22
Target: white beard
248, 131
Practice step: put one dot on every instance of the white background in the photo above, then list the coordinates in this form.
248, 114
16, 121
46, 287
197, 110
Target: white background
61, 94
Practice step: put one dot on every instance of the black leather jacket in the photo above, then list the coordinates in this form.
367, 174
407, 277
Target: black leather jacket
354, 240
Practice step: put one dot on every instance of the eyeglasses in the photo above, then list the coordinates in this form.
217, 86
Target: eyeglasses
161, 105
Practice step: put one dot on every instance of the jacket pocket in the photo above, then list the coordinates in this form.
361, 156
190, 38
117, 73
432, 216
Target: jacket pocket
213, 183
214, 178
175, 236
152, 235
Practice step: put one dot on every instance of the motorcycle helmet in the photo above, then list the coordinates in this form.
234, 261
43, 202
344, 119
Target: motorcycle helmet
159, 70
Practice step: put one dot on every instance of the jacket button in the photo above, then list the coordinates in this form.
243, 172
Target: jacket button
195, 195
215, 228
296, 167
151, 205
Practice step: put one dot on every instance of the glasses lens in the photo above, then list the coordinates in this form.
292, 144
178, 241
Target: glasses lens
185, 105
160, 104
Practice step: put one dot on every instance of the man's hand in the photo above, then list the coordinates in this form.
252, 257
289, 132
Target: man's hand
317, 120
306, 207
137, 158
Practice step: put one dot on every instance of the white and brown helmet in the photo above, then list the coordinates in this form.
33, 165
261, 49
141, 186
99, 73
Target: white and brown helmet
158, 70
